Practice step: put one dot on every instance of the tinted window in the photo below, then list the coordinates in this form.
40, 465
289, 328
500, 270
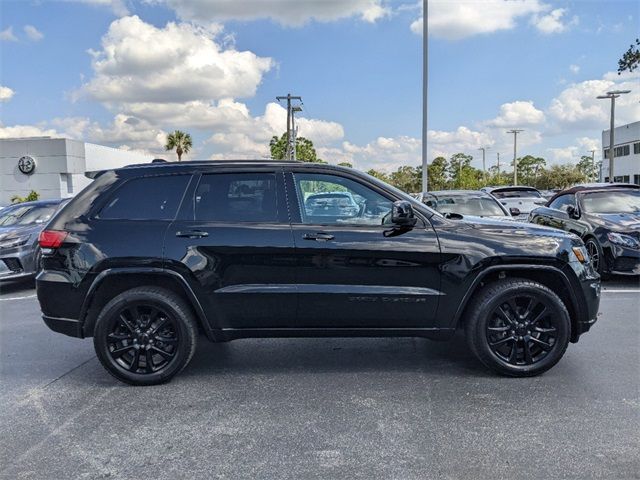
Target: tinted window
561, 203
612, 202
519, 193
236, 197
479, 206
330, 199
147, 198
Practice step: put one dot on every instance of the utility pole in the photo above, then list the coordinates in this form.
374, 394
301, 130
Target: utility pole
612, 95
291, 147
425, 82
515, 132
498, 153
593, 164
484, 168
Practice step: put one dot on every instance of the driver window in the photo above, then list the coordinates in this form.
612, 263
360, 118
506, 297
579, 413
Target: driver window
561, 203
333, 200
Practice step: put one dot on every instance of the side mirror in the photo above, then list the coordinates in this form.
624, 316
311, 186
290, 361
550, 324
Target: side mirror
514, 211
402, 214
573, 212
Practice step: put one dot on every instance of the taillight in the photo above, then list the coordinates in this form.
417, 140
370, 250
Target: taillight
51, 238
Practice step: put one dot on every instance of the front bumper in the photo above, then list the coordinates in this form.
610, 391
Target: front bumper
17, 262
624, 261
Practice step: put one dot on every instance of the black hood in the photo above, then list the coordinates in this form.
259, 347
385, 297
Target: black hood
619, 222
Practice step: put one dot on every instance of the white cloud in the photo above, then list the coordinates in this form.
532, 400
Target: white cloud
286, 12
20, 131
384, 153
454, 20
518, 114
33, 33
118, 7
181, 62
574, 69
7, 35
5, 93
552, 22
577, 106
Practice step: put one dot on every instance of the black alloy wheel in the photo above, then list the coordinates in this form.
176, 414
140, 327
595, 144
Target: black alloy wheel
145, 336
595, 256
522, 330
517, 327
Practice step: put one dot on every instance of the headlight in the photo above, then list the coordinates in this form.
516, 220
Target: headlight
14, 241
624, 240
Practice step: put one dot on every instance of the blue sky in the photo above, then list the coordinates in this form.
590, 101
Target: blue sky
125, 72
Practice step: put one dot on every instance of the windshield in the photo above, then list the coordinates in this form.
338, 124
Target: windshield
479, 206
611, 202
516, 194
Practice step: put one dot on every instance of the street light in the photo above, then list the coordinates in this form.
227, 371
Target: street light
612, 95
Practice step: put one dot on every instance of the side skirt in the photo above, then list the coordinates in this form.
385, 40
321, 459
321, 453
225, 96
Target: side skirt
228, 334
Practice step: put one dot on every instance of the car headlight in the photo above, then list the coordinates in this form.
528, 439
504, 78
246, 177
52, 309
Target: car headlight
14, 241
624, 240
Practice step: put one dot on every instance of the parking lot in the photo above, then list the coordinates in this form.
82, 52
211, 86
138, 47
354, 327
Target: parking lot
321, 408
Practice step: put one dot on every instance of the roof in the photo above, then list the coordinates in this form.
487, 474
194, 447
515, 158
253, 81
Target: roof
509, 187
594, 187
37, 203
475, 193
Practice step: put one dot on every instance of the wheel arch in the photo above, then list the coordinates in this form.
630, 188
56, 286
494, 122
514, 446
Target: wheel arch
112, 282
549, 276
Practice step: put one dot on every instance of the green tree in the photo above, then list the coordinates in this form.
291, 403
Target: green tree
461, 172
305, 151
180, 142
32, 196
630, 59
345, 164
379, 175
529, 168
588, 168
559, 176
437, 174
408, 179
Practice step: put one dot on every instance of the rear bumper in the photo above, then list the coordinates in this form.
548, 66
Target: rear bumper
67, 326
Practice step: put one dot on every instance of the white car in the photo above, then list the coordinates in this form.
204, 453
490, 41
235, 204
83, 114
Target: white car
524, 199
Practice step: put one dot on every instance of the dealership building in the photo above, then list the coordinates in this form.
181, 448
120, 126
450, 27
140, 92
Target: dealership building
626, 155
55, 167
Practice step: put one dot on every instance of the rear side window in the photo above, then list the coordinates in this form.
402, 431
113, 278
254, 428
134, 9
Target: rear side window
236, 197
146, 198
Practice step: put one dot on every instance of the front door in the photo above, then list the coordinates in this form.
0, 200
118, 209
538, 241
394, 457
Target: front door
233, 237
349, 273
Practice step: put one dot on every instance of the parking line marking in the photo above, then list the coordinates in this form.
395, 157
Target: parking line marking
17, 298
621, 290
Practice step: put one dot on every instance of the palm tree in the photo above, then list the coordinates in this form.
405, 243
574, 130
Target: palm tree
180, 141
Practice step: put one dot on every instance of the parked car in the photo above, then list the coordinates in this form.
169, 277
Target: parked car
149, 255
524, 199
332, 204
466, 203
20, 226
606, 216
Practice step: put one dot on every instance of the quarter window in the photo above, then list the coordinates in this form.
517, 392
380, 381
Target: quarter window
334, 200
244, 197
146, 198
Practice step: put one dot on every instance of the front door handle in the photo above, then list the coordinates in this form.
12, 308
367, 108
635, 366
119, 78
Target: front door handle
192, 234
318, 237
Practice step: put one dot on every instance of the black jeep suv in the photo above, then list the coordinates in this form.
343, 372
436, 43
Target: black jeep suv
149, 255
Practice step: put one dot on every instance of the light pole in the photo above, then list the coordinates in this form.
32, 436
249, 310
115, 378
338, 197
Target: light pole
425, 82
612, 95
484, 167
515, 132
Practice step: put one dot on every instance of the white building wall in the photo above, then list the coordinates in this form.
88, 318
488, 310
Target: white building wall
625, 167
60, 165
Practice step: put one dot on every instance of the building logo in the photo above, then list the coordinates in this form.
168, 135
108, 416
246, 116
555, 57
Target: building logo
27, 165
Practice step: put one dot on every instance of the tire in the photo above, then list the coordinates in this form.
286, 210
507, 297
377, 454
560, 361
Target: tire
145, 336
539, 331
592, 245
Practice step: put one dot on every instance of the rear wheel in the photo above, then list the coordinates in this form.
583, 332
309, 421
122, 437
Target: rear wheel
518, 327
145, 336
595, 255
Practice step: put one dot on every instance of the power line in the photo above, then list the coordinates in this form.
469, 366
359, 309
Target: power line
291, 134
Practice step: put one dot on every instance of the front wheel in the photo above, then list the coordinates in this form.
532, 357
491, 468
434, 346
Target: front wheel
596, 256
518, 327
145, 336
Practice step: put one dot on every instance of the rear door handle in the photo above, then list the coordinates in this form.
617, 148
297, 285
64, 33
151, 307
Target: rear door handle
318, 237
192, 234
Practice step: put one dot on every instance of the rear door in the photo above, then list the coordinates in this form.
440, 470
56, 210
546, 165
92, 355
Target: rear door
234, 239
349, 273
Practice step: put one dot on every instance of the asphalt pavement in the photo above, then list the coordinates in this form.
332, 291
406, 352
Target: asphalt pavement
321, 408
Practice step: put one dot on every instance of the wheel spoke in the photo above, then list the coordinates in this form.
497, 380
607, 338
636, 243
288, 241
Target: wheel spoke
118, 352
161, 323
502, 341
504, 315
513, 354
499, 329
149, 361
544, 330
135, 362
527, 353
165, 355
528, 309
126, 323
166, 340
118, 337
540, 316
545, 346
